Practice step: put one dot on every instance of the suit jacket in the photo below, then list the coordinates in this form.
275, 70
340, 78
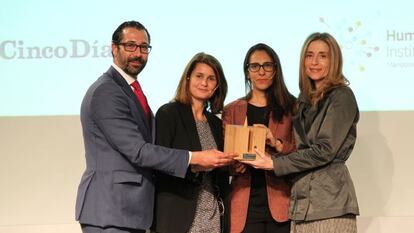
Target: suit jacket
278, 189
176, 199
117, 187
325, 135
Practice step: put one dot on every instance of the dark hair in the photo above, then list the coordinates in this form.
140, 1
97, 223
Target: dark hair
117, 35
216, 101
279, 100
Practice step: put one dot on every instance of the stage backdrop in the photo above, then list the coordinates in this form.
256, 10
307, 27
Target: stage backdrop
51, 51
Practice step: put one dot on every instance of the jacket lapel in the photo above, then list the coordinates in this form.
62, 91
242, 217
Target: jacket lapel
140, 116
189, 125
240, 112
297, 121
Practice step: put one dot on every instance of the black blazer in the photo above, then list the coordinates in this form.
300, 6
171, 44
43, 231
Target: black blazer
176, 198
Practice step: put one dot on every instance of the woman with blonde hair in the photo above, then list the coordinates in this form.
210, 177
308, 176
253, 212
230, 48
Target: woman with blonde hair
323, 196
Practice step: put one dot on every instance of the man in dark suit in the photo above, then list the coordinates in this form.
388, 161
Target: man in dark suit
116, 193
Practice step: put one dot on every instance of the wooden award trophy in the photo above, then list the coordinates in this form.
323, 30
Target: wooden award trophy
243, 139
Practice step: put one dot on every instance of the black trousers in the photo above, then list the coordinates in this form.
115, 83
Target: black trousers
267, 227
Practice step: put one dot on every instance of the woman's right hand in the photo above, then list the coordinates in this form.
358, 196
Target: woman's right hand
263, 161
238, 168
279, 145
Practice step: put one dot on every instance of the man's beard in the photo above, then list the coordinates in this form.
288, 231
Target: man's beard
132, 70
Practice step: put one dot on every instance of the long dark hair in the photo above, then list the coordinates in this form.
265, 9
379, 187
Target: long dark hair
279, 100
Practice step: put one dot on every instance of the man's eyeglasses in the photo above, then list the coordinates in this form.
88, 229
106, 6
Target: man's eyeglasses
267, 66
132, 47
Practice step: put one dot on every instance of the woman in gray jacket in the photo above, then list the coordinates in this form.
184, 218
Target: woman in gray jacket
323, 196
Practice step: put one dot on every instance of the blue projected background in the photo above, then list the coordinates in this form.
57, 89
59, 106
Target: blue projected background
51, 51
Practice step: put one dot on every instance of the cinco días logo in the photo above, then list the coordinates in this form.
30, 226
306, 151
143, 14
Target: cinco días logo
73, 48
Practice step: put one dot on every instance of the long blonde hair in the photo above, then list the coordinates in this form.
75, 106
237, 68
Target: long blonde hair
333, 79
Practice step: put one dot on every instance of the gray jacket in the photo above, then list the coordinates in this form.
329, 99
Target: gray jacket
325, 136
117, 187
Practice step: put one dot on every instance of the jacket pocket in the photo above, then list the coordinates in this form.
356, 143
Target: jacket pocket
126, 177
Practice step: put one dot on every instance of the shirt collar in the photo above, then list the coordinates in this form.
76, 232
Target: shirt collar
126, 76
